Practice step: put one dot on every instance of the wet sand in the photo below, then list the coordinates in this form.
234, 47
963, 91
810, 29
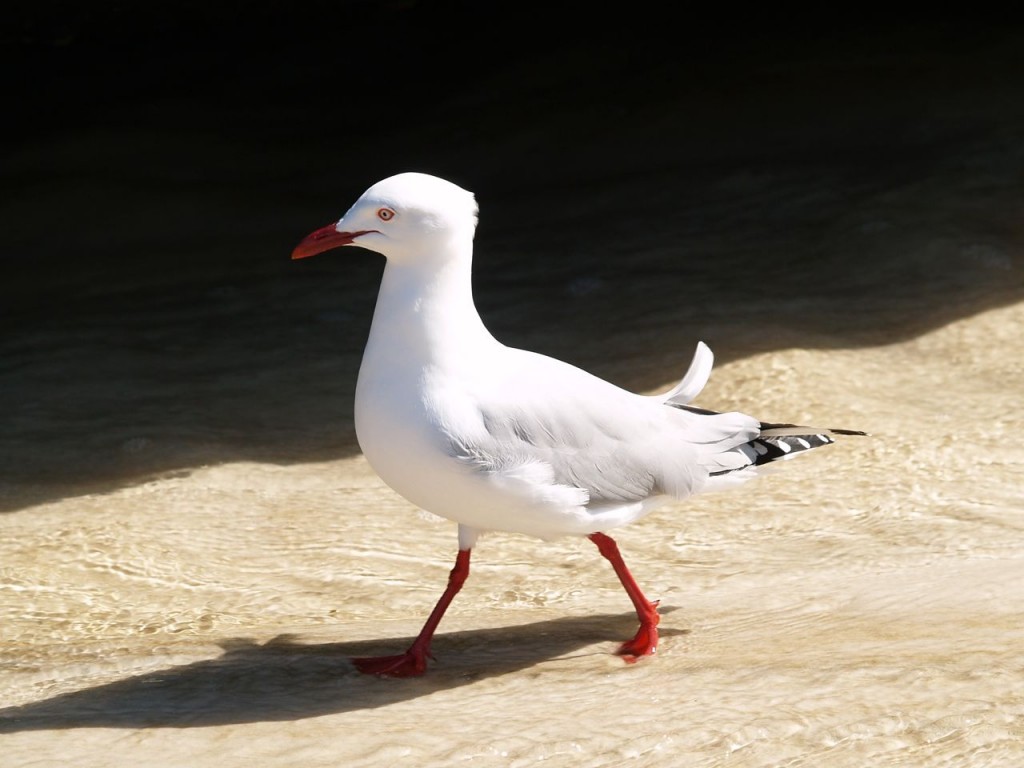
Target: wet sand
191, 546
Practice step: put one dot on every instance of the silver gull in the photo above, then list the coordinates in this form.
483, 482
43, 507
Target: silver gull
501, 439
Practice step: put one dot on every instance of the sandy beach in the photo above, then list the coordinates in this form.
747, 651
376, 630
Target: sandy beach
192, 546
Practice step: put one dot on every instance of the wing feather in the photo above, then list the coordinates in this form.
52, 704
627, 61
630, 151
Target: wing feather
592, 436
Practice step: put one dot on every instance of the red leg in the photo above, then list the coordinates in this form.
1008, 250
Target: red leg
646, 640
414, 661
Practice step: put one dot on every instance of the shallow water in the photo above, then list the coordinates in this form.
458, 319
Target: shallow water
862, 605
189, 586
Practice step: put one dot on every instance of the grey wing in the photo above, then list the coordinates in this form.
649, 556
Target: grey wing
619, 450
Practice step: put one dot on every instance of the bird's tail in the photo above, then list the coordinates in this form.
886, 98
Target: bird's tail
775, 442
784, 441
740, 462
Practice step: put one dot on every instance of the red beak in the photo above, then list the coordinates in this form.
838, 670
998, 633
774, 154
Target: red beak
324, 239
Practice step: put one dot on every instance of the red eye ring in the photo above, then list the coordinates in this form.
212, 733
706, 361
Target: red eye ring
385, 214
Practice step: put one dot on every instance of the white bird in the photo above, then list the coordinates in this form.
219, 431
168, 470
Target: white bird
501, 439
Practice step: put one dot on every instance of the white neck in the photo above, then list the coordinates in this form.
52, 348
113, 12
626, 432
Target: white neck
425, 313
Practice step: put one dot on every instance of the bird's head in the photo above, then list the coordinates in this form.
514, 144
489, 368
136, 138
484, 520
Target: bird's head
401, 217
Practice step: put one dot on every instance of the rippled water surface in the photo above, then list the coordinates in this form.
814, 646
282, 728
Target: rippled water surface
191, 548
863, 605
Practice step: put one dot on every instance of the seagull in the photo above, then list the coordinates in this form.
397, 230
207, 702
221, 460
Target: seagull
501, 439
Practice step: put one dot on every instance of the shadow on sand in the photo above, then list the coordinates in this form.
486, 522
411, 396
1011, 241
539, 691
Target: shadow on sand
754, 192
287, 680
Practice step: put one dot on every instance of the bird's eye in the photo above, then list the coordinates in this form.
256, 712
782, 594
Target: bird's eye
385, 214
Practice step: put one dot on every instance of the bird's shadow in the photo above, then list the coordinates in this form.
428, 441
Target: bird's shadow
288, 680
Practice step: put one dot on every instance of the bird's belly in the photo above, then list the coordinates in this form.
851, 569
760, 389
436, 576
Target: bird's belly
410, 449
407, 454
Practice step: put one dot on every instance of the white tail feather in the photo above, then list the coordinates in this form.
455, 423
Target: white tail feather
696, 377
